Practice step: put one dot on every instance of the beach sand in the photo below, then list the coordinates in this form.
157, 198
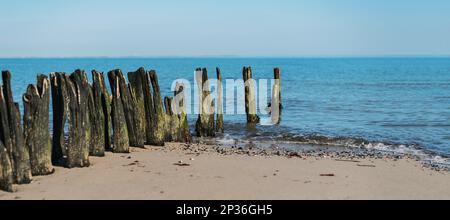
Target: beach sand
154, 173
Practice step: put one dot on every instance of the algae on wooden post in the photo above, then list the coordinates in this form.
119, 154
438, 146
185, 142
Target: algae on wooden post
20, 155
36, 131
6, 173
158, 119
136, 85
99, 84
97, 119
121, 142
250, 96
172, 121
205, 122
179, 105
219, 101
132, 119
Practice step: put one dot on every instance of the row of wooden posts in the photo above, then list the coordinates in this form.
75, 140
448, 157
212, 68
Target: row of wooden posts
84, 115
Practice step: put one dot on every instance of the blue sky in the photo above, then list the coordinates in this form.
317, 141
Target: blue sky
287, 28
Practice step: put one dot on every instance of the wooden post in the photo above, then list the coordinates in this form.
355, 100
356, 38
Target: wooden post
20, 155
205, 122
97, 120
60, 102
36, 131
136, 85
276, 105
184, 134
6, 165
99, 84
158, 114
219, 120
6, 173
132, 119
172, 121
250, 99
120, 132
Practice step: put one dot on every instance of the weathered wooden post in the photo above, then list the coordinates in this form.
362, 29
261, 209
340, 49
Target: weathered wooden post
70, 96
121, 142
180, 108
276, 105
205, 123
60, 102
158, 119
149, 108
36, 122
6, 165
219, 120
136, 86
6, 173
100, 87
132, 119
250, 99
172, 121
97, 120
20, 155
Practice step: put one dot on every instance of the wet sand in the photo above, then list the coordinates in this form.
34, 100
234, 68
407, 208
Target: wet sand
156, 173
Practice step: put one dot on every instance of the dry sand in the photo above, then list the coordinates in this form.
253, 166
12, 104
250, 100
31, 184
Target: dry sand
151, 174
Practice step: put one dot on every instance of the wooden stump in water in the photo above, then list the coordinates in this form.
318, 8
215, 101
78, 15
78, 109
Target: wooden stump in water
158, 115
219, 120
36, 132
20, 155
179, 105
105, 105
121, 143
149, 109
205, 122
6, 173
136, 87
250, 99
276, 105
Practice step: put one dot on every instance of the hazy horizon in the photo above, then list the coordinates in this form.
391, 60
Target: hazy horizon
201, 28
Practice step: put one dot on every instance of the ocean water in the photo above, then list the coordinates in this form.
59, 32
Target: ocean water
387, 104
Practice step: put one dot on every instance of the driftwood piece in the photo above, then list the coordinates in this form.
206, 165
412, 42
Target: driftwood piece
20, 155
6, 173
99, 84
250, 96
36, 122
179, 105
158, 115
121, 143
136, 87
205, 122
219, 98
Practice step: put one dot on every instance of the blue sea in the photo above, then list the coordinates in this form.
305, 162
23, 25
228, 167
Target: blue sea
386, 104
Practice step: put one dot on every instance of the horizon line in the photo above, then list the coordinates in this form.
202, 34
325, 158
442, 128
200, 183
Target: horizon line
227, 56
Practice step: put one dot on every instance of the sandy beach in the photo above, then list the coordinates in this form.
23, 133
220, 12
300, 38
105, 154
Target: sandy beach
175, 172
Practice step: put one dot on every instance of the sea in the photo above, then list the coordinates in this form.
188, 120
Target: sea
396, 105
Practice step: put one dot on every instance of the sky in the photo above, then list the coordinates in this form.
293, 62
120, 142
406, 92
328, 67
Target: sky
246, 28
